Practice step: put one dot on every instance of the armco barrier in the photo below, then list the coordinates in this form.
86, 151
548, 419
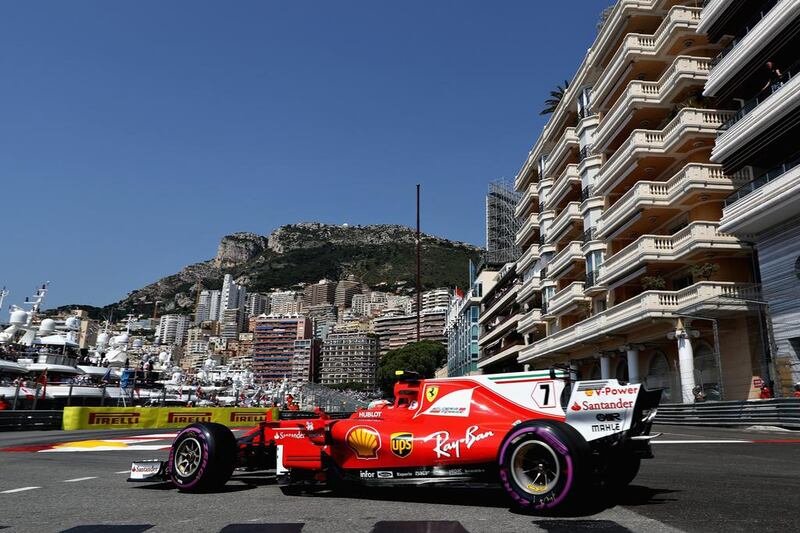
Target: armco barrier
782, 412
22, 420
163, 417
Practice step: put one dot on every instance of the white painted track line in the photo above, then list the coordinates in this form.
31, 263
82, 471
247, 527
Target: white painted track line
79, 479
19, 490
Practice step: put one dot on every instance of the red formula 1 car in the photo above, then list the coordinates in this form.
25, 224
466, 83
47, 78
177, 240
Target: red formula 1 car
542, 438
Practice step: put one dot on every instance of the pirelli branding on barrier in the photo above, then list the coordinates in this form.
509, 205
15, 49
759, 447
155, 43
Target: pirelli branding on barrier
163, 417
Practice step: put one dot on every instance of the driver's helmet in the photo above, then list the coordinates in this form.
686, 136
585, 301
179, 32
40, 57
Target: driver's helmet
378, 404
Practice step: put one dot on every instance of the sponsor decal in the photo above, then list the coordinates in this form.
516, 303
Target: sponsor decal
456, 403
601, 406
243, 416
401, 444
310, 425
370, 414
602, 428
422, 473
608, 417
152, 468
365, 441
366, 474
431, 392
537, 488
610, 391
444, 446
385, 474
113, 418
589, 392
280, 435
184, 417
404, 474
575, 407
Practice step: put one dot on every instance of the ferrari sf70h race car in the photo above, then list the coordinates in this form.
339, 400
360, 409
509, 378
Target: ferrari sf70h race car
541, 437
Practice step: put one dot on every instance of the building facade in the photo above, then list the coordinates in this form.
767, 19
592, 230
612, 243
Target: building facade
396, 331
172, 329
305, 364
349, 358
462, 330
322, 293
257, 304
274, 345
625, 271
500, 341
285, 303
756, 77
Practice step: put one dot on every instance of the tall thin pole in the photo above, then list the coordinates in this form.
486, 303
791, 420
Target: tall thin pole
419, 283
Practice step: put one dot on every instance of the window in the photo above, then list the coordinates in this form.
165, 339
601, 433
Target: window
660, 376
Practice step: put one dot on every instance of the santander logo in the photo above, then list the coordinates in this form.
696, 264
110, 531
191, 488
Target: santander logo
575, 407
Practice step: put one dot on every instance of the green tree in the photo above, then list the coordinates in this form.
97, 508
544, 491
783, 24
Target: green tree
423, 357
555, 98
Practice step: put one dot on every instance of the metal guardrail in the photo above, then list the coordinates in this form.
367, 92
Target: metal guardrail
782, 412
24, 420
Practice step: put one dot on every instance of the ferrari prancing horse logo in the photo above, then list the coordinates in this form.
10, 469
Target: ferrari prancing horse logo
431, 393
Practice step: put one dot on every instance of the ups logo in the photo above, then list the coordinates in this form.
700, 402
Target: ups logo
402, 444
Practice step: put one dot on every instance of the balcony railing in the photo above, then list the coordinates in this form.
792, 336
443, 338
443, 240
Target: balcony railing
752, 23
762, 180
588, 235
586, 193
591, 278
760, 97
585, 152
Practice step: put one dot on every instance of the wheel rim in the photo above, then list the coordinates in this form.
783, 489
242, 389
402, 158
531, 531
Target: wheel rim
535, 468
187, 457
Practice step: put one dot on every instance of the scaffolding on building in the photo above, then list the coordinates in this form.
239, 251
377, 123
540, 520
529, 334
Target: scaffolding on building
501, 223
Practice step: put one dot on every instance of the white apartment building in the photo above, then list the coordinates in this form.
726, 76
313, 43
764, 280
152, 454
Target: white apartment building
761, 140
625, 271
208, 304
285, 302
172, 329
257, 304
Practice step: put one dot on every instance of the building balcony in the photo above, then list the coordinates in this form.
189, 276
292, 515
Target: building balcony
527, 231
571, 255
529, 199
650, 100
567, 145
530, 321
566, 299
683, 245
525, 176
762, 31
569, 217
499, 302
528, 257
640, 310
567, 182
677, 26
767, 201
712, 11
500, 328
505, 354
690, 129
530, 287
693, 183
758, 116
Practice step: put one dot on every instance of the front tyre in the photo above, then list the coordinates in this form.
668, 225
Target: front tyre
543, 464
202, 457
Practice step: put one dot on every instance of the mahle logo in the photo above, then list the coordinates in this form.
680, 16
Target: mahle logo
402, 444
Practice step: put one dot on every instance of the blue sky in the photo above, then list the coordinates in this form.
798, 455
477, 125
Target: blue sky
135, 134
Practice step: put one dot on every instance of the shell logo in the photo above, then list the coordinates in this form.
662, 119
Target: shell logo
589, 392
364, 441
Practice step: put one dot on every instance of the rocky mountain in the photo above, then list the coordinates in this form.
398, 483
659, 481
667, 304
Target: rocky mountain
382, 256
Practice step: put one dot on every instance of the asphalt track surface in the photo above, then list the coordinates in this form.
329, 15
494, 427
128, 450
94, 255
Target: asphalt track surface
701, 480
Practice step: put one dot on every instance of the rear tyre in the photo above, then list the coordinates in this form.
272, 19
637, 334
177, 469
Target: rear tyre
202, 457
544, 465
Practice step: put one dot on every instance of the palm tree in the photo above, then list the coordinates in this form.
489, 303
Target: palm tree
556, 97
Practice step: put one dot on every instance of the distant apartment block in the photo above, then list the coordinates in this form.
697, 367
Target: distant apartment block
396, 331
345, 290
349, 358
285, 303
305, 363
322, 293
207, 306
274, 345
172, 329
257, 304
462, 327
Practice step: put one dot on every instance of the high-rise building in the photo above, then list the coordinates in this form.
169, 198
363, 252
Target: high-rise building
500, 312
197, 339
305, 363
462, 328
230, 324
396, 331
172, 329
434, 299
756, 76
625, 272
501, 223
273, 345
207, 306
285, 303
322, 293
345, 290
349, 358
233, 296
257, 304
